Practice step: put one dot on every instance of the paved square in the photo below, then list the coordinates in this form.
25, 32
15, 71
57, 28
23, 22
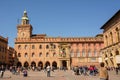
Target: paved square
57, 75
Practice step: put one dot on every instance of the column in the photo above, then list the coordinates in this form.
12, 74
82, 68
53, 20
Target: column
68, 64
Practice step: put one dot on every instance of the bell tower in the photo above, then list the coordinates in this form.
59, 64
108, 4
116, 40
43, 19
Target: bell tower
25, 19
24, 29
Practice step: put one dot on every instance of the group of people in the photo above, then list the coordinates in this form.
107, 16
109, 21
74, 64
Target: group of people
82, 70
16, 70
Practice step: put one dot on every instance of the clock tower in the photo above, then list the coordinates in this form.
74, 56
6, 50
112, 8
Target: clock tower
24, 29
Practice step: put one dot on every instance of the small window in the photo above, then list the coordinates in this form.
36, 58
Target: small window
19, 47
47, 46
40, 47
26, 55
19, 54
40, 54
33, 46
25, 46
54, 54
33, 54
47, 54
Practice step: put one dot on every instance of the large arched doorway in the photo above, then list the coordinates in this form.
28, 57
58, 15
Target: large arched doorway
26, 64
64, 63
47, 63
54, 65
40, 64
33, 64
19, 64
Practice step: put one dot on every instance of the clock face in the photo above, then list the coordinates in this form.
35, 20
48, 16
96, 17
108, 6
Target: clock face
22, 34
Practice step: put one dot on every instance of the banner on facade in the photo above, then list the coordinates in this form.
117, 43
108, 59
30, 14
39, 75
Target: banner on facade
117, 58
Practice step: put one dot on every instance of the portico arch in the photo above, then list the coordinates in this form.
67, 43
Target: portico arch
54, 64
19, 64
26, 64
40, 64
47, 63
33, 64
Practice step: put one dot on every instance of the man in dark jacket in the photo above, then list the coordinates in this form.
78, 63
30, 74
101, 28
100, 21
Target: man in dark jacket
2, 69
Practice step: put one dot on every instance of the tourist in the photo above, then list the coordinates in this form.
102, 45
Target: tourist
25, 73
116, 69
103, 73
2, 69
48, 71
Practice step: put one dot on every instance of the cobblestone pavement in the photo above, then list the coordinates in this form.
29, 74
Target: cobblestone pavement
57, 75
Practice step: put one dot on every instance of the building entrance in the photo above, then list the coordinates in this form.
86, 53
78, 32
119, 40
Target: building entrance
64, 64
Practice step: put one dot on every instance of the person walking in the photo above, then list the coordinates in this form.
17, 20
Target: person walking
48, 71
2, 69
103, 73
116, 69
25, 73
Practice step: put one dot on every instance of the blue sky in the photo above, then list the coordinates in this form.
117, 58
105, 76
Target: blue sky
65, 18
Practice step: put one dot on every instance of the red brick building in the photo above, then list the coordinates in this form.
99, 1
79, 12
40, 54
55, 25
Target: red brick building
40, 49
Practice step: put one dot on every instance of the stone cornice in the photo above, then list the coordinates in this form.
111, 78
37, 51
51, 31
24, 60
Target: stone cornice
4, 39
112, 21
59, 39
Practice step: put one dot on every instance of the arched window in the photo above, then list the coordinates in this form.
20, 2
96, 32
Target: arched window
40, 54
47, 46
33, 46
19, 54
19, 47
33, 54
106, 40
54, 54
111, 37
25, 47
26, 55
117, 35
47, 54
40, 46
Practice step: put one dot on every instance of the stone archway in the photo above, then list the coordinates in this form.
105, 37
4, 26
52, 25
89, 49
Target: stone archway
33, 64
40, 64
47, 63
19, 64
54, 64
26, 64
64, 63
